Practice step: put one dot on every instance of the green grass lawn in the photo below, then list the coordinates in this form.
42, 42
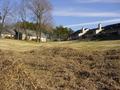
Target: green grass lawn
82, 45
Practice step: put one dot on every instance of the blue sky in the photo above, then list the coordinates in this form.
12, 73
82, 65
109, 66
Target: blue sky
85, 13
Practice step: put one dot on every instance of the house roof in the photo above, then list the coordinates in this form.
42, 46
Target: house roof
77, 32
12, 31
92, 31
113, 26
8, 31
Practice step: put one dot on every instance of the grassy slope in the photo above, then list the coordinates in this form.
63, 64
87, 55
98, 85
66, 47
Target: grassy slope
25, 46
59, 65
17, 45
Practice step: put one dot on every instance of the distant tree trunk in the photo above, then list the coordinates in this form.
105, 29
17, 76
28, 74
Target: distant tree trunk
0, 34
23, 15
1, 31
26, 35
40, 23
18, 35
25, 30
5, 12
37, 31
37, 37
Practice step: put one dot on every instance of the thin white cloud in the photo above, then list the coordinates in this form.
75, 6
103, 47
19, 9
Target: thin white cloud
85, 14
94, 23
97, 1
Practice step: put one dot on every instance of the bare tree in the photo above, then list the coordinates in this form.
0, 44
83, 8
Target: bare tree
5, 10
41, 9
23, 15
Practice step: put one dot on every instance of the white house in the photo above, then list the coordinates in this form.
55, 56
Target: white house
33, 36
97, 31
7, 34
11, 33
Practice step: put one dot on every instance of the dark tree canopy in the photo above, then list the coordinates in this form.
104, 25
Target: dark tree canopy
62, 33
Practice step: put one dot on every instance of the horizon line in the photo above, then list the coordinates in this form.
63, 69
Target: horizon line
94, 23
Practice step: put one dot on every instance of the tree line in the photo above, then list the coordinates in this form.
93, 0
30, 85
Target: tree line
33, 15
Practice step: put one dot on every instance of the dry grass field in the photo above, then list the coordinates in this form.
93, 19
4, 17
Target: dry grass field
15, 45
74, 65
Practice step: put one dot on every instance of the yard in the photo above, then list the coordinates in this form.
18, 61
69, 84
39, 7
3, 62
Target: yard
71, 65
16, 45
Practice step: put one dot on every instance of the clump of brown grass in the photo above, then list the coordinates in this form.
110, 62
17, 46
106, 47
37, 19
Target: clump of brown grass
13, 75
61, 68
67, 68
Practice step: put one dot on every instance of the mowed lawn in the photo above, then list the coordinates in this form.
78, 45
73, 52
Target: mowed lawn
16, 45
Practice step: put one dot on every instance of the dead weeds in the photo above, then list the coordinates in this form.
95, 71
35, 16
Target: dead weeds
60, 68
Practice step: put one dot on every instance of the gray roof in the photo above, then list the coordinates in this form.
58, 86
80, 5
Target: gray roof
8, 31
11, 30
